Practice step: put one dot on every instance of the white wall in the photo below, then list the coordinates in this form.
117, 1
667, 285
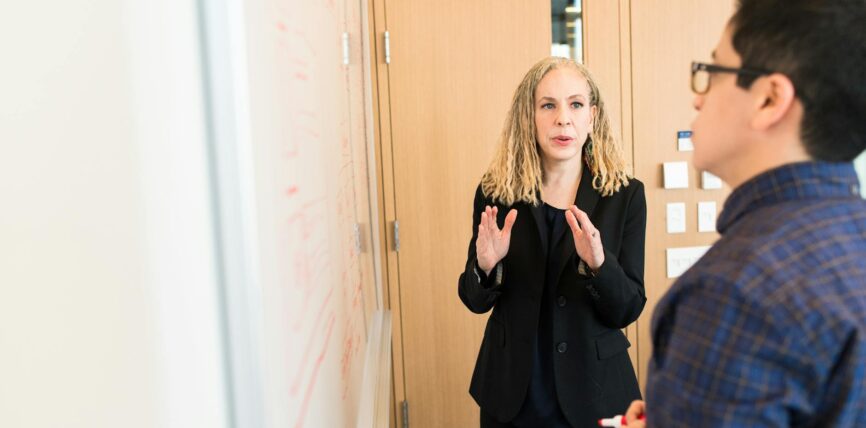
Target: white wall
860, 165
108, 298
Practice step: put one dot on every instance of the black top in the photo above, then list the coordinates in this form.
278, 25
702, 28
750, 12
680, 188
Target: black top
541, 406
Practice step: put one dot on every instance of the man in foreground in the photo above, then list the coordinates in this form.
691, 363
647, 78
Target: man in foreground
769, 327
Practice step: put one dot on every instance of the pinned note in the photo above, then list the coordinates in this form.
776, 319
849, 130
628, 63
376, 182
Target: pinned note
710, 181
676, 175
681, 259
684, 141
676, 217
707, 216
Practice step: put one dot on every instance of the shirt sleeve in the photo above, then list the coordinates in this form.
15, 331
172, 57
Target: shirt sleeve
476, 290
721, 359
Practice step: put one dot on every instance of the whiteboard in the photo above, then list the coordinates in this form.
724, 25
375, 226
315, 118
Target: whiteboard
290, 113
108, 303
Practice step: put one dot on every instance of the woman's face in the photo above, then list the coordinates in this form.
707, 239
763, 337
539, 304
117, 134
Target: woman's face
563, 116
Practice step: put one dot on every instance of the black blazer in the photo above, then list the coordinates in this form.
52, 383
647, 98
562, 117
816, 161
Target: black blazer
593, 373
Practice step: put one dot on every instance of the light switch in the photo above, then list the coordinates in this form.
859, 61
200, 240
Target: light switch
707, 216
681, 259
676, 217
676, 175
684, 141
710, 181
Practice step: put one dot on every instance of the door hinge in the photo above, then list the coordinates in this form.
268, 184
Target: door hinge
396, 235
345, 48
406, 414
387, 47
357, 234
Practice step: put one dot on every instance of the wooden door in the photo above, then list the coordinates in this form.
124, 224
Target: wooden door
639, 52
665, 37
454, 65
606, 53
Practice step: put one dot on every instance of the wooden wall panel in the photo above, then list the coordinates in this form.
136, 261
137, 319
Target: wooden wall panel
454, 67
665, 37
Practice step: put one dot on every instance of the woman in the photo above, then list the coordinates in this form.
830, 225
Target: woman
565, 272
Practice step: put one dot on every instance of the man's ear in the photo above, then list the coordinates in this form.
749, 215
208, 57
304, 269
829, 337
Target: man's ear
775, 96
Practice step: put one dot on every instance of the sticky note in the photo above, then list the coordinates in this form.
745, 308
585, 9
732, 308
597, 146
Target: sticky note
684, 141
679, 260
676, 175
707, 216
676, 217
710, 181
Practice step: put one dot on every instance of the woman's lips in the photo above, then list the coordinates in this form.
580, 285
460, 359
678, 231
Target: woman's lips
562, 140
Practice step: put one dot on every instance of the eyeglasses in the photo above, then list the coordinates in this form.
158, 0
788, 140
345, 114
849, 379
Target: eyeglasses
701, 75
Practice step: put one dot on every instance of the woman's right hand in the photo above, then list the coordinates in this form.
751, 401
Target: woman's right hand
492, 243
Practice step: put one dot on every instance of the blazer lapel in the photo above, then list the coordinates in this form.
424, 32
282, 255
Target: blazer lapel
587, 196
586, 200
541, 223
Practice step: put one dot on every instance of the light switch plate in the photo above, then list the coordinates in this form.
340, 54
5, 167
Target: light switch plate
681, 259
676, 218
676, 175
707, 216
710, 181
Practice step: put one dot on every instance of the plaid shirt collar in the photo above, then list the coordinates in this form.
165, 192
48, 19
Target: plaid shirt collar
797, 181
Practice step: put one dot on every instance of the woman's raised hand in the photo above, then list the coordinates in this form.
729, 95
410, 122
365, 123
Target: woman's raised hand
587, 241
492, 243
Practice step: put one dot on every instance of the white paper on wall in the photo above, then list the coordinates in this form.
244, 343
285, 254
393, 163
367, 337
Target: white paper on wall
676, 217
679, 260
707, 216
676, 175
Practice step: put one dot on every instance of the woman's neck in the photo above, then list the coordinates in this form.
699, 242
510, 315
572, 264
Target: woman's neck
561, 180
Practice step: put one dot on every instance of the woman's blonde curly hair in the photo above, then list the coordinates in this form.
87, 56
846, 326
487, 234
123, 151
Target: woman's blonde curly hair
516, 174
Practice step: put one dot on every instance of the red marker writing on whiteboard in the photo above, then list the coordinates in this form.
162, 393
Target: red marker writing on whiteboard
616, 421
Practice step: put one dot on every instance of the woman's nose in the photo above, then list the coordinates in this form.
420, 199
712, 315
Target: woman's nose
562, 119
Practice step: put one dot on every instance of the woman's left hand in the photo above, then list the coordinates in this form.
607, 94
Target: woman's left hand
587, 240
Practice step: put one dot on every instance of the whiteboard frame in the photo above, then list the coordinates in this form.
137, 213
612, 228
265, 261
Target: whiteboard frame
222, 26
372, 177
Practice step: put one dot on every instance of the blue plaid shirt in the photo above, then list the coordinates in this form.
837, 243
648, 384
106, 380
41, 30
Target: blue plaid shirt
768, 329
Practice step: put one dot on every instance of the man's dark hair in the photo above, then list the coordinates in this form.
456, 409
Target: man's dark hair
821, 46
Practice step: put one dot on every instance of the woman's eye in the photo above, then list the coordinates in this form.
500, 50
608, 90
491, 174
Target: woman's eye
576, 105
547, 106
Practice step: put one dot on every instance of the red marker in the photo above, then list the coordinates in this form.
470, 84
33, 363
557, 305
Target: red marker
616, 421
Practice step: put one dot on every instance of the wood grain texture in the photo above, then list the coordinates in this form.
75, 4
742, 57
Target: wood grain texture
454, 67
665, 37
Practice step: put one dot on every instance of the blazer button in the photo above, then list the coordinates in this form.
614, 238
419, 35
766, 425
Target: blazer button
561, 347
561, 301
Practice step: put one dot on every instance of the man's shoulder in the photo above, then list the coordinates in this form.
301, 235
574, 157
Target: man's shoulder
794, 226
778, 256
